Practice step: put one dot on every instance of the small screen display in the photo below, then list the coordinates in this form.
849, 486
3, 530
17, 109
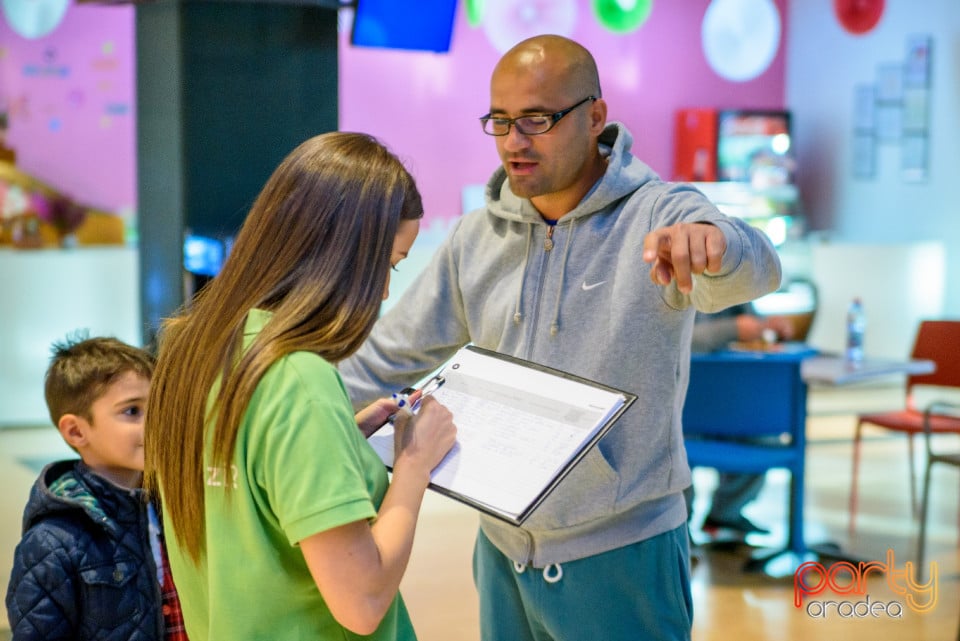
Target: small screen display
423, 25
202, 255
755, 147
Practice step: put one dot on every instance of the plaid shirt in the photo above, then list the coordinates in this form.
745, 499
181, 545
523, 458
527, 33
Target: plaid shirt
173, 629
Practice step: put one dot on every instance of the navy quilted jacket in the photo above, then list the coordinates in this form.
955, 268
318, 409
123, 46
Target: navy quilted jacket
83, 569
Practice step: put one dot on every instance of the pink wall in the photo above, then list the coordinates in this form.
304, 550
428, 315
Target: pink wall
70, 96
425, 106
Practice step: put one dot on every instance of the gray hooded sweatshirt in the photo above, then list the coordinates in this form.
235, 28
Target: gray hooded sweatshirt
584, 303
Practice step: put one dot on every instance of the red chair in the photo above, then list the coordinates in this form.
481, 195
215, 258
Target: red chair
950, 457
937, 341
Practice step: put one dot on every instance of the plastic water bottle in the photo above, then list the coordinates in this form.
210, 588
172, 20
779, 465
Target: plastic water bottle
856, 324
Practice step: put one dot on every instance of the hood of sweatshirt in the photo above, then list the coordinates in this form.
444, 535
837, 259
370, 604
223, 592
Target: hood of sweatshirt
624, 174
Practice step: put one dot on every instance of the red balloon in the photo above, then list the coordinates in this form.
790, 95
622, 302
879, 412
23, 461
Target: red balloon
858, 16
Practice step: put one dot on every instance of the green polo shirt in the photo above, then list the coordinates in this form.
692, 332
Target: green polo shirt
301, 467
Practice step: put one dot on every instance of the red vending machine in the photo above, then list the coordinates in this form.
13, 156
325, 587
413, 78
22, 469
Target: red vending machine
695, 158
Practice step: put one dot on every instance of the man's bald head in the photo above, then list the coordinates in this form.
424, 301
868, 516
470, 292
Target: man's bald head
556, 57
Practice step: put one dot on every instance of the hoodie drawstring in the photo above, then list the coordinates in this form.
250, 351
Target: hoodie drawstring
517, 316
555, 326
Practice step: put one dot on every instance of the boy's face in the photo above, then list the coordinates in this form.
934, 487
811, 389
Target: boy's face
112, 442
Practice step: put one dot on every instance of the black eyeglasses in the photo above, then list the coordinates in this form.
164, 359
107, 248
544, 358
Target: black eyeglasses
527, 125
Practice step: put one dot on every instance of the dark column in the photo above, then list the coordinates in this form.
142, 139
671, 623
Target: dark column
224, 91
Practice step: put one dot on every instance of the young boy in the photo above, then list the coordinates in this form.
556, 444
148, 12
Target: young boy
91, 564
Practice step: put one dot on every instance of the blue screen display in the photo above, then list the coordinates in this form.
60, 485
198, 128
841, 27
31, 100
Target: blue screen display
203, 255
423, 25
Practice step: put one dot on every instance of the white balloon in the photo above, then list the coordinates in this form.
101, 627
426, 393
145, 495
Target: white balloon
34, 18
740, 37
507, 22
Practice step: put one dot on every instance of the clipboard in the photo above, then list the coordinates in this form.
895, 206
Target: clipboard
522, 427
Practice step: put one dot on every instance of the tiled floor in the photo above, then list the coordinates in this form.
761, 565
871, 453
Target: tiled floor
729, 604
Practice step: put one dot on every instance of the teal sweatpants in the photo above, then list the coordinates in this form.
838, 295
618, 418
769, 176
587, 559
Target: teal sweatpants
640, 592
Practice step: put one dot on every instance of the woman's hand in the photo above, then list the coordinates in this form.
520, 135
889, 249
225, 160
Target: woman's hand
423, 440
370, 418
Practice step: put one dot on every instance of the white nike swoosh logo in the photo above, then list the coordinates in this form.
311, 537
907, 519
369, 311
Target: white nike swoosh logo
587, 288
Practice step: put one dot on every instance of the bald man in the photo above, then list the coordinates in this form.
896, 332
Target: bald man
582, 259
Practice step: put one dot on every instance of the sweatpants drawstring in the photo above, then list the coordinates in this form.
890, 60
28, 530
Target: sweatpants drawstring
556, 576
552, 573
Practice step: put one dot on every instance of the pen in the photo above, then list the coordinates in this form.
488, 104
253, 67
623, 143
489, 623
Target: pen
403, 397
432, 386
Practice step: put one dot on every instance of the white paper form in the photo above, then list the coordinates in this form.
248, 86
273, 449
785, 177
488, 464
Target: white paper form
517, 428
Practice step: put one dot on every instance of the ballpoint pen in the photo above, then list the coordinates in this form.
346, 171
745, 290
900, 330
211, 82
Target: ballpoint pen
403, 398
429, 388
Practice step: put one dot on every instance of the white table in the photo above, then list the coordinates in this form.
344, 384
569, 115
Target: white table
835, 370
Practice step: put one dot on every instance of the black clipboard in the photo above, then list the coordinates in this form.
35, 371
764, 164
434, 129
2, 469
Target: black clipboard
527, 405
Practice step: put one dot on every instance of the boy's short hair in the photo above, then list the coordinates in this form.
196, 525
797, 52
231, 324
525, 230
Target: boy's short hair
82, 368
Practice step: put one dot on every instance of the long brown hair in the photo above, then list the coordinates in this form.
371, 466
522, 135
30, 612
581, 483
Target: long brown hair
314, 250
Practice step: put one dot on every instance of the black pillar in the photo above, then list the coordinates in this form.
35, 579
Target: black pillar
224, 91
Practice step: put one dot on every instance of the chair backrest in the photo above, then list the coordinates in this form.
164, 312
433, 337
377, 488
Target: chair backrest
938, 341
748, 395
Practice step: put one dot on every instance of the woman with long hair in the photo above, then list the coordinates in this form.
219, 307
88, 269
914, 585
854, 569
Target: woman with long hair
280, 520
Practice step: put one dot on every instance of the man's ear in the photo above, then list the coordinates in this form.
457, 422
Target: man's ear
73, 429
598, 116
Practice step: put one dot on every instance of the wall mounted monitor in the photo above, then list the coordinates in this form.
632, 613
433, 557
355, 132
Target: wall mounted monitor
203, 255
421, 25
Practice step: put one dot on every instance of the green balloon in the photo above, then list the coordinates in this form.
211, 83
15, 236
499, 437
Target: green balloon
474, 12
622, 16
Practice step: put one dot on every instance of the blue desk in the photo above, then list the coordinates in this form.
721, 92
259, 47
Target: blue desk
763, 395
735, 396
